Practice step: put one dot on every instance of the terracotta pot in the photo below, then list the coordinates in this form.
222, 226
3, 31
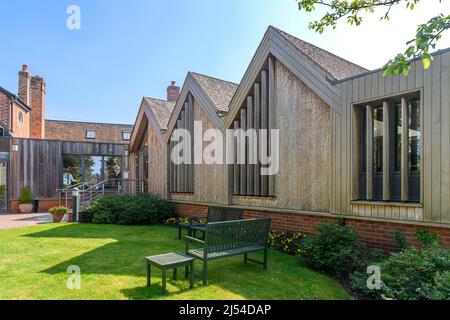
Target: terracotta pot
58, 217
25, 207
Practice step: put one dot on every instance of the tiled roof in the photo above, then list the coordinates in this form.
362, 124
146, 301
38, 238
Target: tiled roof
161, 109
14, 97
219, 91
335, 66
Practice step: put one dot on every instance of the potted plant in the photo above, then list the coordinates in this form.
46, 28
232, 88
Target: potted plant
25, 201
60, 214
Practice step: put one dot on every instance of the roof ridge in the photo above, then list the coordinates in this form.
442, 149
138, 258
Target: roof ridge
283, 33
215, 78
287, 37
91, 122
157, 99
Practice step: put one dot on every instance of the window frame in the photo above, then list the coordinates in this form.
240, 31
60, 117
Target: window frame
129, 135
86, 135
358, 148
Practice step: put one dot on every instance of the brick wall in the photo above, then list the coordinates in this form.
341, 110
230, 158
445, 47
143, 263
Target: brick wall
377, 234
76, 131
37, 102
43, 205
25, 85
21, 118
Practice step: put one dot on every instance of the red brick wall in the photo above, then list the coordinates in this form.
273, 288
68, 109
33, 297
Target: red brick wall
24, 85
37, 107
43, 205
76, 131
377, 234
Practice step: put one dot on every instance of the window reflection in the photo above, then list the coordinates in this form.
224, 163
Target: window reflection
415, 138
93, 169
378, 132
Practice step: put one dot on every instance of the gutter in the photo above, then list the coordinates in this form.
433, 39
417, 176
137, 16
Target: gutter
335, 82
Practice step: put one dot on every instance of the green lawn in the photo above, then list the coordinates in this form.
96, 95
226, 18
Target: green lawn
34, 262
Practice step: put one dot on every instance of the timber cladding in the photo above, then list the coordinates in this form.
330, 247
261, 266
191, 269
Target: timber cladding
433, 87
377, 234
39, 164
156, 164
304, 120
206, 177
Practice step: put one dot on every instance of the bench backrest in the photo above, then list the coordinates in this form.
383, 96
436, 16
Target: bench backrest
236, 234
216, 214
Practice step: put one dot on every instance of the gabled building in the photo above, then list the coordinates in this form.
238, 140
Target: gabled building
148, 154
354, 145
51, 155
204, 99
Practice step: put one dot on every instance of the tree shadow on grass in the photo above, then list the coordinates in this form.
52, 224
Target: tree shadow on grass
123, 249
125, 253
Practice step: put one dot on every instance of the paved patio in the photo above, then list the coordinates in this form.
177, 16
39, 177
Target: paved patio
9, 221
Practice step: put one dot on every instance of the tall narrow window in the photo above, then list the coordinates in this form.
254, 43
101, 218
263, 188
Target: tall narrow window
378, 134
396, 151
396, 122
362, 158
415, 146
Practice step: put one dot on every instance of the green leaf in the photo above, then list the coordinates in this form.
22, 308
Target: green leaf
426, 63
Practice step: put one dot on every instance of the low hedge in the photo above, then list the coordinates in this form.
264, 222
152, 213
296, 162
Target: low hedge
141, 209
411, 274
334, 249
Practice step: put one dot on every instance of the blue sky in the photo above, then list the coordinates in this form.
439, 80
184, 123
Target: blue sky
128, 49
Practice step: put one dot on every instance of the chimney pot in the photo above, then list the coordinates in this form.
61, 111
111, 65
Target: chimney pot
173, 92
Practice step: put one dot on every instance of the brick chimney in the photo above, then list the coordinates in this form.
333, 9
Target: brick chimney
38, 88
173, 92
24, 85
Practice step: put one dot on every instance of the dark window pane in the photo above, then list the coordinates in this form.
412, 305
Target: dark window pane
378, 132
72, 170
415, 138
93, 169
397, 136
113, 167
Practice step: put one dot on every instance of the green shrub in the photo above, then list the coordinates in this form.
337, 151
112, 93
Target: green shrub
411, 274
427, 238
287, 242
25, 196
400, 240
335, 249
141, 209
61, 209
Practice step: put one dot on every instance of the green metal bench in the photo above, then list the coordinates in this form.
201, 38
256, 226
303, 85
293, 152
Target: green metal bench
231, 238
215, 214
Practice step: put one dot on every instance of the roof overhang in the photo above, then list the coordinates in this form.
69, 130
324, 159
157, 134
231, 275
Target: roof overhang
191, 86
273, 44
144, 118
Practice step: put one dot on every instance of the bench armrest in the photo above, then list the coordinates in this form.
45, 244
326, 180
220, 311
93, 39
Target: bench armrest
191, 239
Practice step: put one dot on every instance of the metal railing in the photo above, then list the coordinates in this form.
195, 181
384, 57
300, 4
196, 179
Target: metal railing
65, 194
88, 192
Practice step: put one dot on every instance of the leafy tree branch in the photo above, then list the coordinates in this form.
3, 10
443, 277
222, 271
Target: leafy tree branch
427, 34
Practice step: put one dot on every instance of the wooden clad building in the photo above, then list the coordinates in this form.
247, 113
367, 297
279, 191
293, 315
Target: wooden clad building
41, 165
353, 144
